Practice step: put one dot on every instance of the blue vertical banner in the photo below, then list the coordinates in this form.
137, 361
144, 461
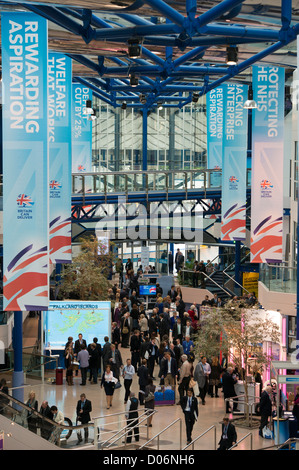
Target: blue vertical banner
233, 208
60, 157
267, 165
81, 130
25, 161
215, 122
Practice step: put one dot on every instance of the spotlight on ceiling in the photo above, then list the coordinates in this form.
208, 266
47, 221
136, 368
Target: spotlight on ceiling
250, 103
195, 97
231, 55
88, 107
159, 105
134, 48
92, 116
142, 98
133, 80
124, 105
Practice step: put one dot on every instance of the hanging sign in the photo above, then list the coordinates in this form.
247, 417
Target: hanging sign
267, 165
81, 130
60, 156
25, 161
233, 209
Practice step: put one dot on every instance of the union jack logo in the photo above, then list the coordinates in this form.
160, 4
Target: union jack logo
233, 179
24, 201
81, 168
265, 184
55, 184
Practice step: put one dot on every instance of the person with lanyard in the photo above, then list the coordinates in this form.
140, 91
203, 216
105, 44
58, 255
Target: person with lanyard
132, 418
83, 416
228, 435
189, 406
201, 375
128, 373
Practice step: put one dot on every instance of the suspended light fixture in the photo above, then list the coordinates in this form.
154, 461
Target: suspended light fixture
195, 97
231, 55
160, 105
92, 116
124, 105
250, 103
88, 107
142, 98
133, 80
134, 49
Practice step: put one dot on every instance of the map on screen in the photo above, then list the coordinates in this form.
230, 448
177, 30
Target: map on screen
64, 319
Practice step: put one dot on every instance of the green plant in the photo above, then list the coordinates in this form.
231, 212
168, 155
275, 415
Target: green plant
86, 278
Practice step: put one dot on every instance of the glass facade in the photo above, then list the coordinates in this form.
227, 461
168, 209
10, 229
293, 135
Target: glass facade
176, 138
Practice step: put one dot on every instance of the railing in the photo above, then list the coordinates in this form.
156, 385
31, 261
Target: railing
288, 443
206, 276
279, 278
35, 422
140, 181
33, 364
122, 433
157, 436
248, 406
191, 444
243, 438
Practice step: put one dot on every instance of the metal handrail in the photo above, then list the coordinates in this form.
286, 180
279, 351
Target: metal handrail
146, 415
199, 437
161, 432
236, 282
211, 279
238, 442
231, 264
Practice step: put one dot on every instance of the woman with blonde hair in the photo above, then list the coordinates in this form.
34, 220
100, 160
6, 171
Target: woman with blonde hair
108, 381
143, 323
31, 416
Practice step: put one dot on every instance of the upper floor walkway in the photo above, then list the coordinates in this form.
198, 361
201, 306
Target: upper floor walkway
153, 186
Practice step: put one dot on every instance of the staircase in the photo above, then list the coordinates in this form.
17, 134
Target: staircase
219, 278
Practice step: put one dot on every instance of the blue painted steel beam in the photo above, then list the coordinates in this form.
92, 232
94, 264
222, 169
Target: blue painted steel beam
100, 94
167, 11
217, 11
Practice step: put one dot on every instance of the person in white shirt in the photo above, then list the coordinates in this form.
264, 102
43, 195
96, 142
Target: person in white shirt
128, 374
58, 417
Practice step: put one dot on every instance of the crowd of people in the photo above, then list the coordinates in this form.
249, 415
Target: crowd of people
161, 353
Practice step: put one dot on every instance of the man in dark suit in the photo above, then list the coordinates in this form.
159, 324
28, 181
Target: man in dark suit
142, 373
152, 357
228, 388
179, 260
83, 411
115, 360
78, 344
135, 345
228, 435
169, 370
189, 406
132, 418
172, 293
265, 408
152, 324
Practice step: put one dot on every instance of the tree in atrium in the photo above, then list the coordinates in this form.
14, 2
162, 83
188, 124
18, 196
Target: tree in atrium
238, 332
87, 277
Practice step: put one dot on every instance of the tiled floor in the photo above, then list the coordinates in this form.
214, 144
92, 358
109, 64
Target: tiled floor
210, 416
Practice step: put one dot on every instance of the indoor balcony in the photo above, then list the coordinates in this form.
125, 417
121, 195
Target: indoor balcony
277, 288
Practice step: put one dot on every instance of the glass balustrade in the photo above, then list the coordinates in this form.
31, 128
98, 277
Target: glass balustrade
279, 278
61, 434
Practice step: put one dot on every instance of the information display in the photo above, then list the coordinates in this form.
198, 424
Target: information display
64, 319
147, 290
